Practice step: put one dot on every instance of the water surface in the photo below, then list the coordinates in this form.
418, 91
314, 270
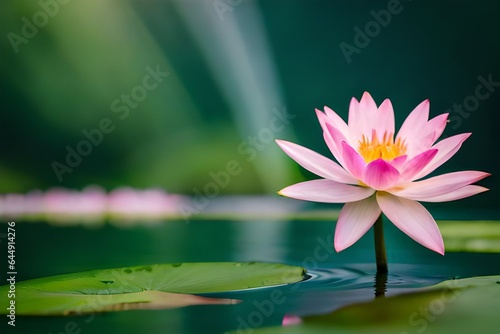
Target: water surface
336, 279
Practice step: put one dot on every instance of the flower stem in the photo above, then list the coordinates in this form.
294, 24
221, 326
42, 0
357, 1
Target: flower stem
380, 246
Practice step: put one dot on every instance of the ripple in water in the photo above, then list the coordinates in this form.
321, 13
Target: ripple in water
361, 276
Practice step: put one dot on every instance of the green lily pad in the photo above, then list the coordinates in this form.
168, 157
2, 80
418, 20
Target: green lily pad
458, 306
471, 236
151, 286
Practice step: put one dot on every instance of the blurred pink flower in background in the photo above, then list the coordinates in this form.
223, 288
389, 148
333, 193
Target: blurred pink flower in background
153, 203
91, 204
14, 205
378, 171
289, 320
91, 201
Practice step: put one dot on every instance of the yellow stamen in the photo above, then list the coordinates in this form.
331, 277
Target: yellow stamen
387, 149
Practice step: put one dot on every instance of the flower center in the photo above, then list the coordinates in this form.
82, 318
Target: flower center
386, 148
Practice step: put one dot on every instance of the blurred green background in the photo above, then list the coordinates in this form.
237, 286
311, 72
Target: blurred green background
69, 67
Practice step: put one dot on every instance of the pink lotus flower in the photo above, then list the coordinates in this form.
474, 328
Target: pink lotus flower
378, 172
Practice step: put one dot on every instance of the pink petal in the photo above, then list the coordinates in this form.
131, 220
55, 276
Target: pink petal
333, 147
446, 149
336, 121
336, 139
379, 175
463, 192
352, 117
399, 161
316, 163
384, 120
352, 161
336, 130
436, 126
413, 127
420, 145
333, 136
416, 119
415, 165
326, 191
362, 116
413, 219
437, 185
337, 136
330, 113
354, 221
367, 104
429, 134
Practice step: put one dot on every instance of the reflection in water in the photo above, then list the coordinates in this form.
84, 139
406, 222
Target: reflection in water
329, 289
380, 284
